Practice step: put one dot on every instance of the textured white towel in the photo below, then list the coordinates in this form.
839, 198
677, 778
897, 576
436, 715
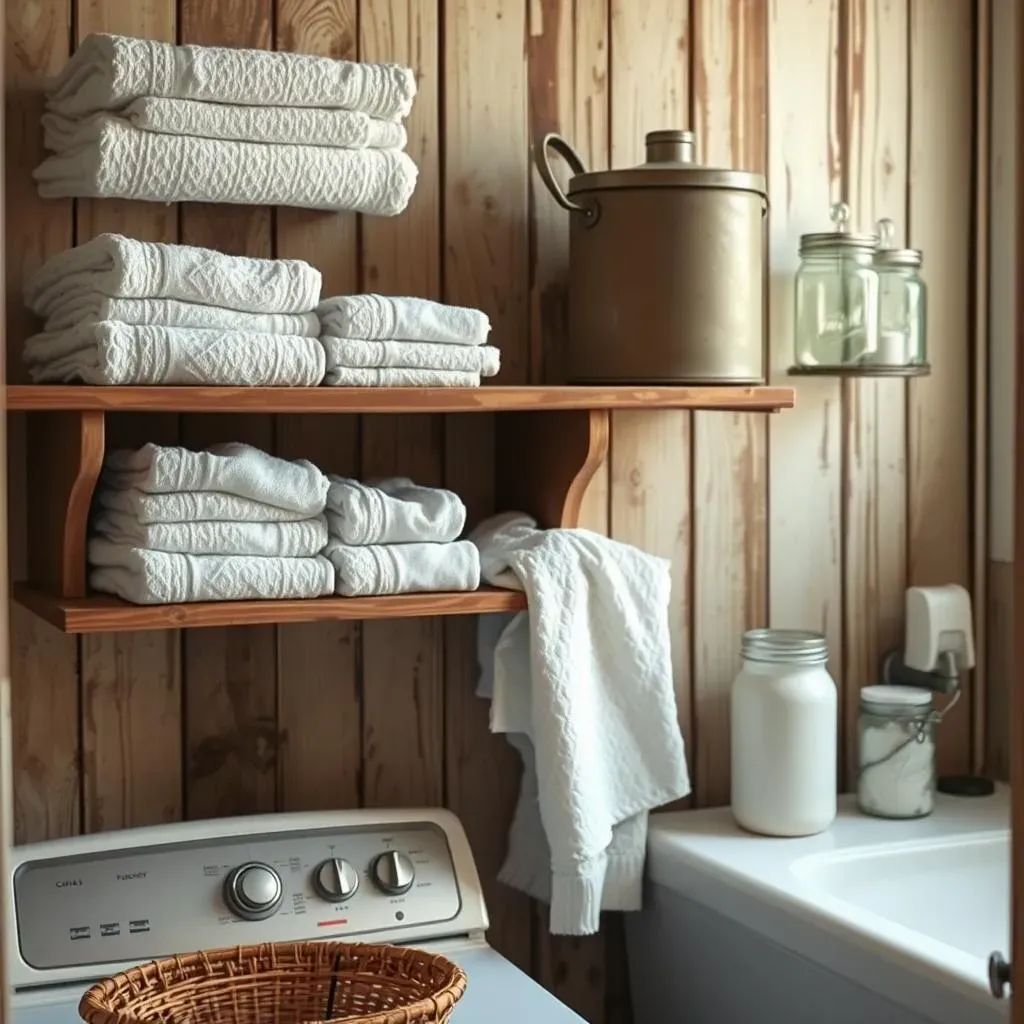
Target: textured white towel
392, 511
126, 268
403, 568
106, 71
349, 377
383, 317
160, 577
191, 506
232, 468
423, 355
115, 159
586, 677
304, 126
114, 353
89, 307
301, 539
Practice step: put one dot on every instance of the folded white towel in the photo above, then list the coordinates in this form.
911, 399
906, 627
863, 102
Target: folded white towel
384, 317
191, 506
129, 269
112, 158
109, 352
106, 71
392, 511
89, 307
230, 468
423, 355
586, 677
377, 569
349, 377
304, 126
161, 577
301, 539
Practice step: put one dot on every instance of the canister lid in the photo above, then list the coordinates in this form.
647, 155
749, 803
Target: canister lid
895, 696
669, 164
889, 255
784, 646
842, 239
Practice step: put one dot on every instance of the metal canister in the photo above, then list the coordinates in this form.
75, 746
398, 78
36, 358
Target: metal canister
666, 267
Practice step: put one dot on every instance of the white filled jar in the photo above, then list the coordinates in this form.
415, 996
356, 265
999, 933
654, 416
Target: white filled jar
784, 725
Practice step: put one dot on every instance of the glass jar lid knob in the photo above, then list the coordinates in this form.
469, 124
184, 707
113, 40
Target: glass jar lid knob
886, 233
839, 214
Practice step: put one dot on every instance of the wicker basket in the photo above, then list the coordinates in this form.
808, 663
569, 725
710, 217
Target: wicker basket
287, 983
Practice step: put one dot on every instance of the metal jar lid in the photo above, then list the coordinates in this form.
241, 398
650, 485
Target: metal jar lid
669, 164
784, 646
889, 255
841, 240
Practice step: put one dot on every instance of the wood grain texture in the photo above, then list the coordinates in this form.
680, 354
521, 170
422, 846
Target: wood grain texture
1001, 679
730, 539
650, 481
874, 411
939, 534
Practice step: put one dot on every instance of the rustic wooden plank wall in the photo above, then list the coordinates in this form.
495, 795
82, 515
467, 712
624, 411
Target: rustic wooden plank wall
816, 518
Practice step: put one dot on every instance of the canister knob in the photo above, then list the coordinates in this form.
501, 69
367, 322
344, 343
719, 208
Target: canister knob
669, 147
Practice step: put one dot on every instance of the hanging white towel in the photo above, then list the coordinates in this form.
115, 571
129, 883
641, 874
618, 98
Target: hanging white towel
107, 71
90, 307
113, 159
349, 377
392, 511
126, 268
191, 506
160, 577
384, 317
301, 539
303, 126
378, 569
586, 677
140, 354
352, 352
232, 468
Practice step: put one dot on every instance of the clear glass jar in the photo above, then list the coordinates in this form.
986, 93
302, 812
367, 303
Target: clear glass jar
836, 297
896, 746
902, 303
783, 706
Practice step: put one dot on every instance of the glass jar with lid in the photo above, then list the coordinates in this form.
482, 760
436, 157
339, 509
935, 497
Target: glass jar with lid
902, 303
896, 747
836, 297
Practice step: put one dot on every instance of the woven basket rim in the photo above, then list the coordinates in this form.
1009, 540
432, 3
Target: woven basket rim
95, 1005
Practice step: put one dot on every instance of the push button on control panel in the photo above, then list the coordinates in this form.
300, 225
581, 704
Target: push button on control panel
253, 891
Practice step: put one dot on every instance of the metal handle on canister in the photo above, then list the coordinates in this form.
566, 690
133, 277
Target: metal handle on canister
555, 141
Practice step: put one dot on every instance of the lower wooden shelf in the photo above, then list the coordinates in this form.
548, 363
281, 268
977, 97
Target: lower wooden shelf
103, 614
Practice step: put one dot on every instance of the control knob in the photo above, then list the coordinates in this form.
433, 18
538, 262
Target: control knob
393, 872
253, 891
335, 880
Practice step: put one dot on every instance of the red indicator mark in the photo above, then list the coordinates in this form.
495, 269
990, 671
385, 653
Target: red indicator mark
331, 924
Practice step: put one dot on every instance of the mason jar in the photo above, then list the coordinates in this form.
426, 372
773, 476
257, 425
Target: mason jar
783, 705
902, 303
896, 751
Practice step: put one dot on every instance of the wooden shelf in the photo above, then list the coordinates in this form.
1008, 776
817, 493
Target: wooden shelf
102, 614
78, 398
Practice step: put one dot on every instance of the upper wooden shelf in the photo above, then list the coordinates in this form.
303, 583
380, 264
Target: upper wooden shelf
53, 398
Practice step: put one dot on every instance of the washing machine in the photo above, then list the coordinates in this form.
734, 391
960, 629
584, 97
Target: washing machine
87, 907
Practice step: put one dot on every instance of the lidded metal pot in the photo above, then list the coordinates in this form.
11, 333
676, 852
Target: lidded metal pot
666, 267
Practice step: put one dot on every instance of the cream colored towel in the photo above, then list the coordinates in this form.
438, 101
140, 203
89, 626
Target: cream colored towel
115, 159
88, 307
404, 318
413, 355
126, 268
114, 353
107, 71
191, 506
347, 377
378, 569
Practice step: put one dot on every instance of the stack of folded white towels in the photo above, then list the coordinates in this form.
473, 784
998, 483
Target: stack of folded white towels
142, 119
121, 311
228, 524
389, 341
394, 537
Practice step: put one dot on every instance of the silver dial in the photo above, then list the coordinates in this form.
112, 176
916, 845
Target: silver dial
253, 891
335, 880
393, 872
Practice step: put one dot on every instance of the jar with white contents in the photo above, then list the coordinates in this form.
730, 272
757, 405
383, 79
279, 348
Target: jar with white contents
896, 776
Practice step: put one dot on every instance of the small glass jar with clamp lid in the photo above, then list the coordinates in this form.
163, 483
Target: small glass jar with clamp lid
902, 305
836, 297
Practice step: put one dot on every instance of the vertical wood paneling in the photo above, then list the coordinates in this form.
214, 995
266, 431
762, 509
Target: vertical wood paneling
650, 452
941, 127
874, 412
485, 175
318, 700
730, 543
231, 680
